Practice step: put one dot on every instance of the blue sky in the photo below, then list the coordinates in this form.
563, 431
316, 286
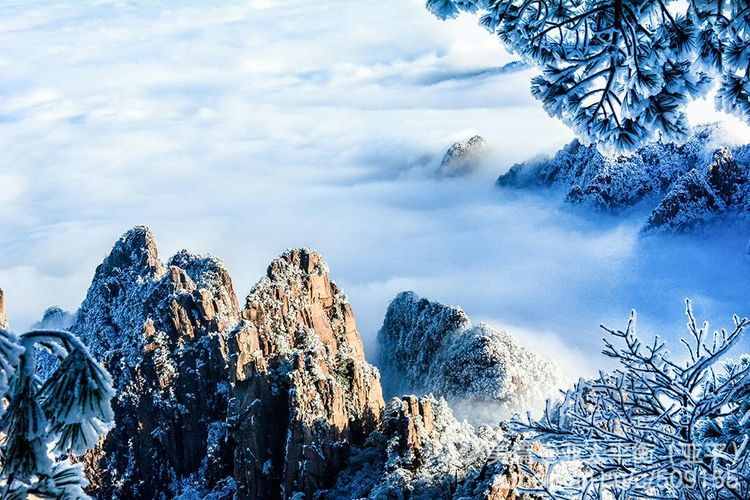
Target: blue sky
243, 128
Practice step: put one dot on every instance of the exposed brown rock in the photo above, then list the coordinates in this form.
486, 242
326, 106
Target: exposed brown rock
412, 422
3, 317
271, 401
420, 452
503, 477
303, 391
161, 331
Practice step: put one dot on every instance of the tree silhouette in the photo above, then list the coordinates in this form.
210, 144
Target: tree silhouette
620, 72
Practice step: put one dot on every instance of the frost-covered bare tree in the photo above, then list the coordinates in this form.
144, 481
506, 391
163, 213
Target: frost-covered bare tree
620, 72
655, 427
47, 423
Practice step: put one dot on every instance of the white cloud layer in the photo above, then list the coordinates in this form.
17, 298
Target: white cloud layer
241, 128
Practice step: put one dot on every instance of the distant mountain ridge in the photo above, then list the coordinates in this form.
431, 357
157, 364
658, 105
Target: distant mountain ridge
685, 183
273, 398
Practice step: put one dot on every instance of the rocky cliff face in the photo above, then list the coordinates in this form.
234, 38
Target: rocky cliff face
428, 347
689, 184
262, 402
422, 452
463, 157
3, 316
274, 399
161, 331
613, 182
704, 194
303, 390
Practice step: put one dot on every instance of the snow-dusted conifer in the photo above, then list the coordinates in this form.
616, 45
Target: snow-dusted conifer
48, 422
655, 427
621, 72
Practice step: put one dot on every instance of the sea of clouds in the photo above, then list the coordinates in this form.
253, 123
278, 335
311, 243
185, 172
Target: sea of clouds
241, 128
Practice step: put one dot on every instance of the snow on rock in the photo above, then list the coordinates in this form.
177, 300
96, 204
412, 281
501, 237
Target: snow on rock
428, 347
303, 392
703, 194
422, 452
689, 184
214, 401
463, 157
56, 318
691, 201
617, 181
161, 332
728, 178
110, 319
275, 399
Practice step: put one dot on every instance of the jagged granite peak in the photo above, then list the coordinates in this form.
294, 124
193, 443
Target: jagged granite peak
421, 451
614, 182
702, 195
3, 315
111, 316
161, 332
462, 157
303, 392
428, 347
135, 251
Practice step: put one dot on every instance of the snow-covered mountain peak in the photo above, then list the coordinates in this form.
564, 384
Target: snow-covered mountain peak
463, 157
428, 347
135, 252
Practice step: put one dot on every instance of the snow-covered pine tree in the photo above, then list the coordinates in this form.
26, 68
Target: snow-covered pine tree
655, 427
47, 423
620, 72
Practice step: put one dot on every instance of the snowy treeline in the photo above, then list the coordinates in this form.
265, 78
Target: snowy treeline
621, 73
688, 186
655, 427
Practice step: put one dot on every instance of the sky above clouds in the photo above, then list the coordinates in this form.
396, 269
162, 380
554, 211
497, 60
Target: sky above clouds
242, 128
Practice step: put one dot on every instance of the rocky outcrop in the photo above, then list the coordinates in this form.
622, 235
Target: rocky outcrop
291, 363
728, 178
688, 185
504, 474
274, 399
463, 157
614, 182
3, 316
701, 195
690, 202
428, 347
423, 452
161, 332
303, 392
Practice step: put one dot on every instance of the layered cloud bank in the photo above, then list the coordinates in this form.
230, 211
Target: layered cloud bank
244, 128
